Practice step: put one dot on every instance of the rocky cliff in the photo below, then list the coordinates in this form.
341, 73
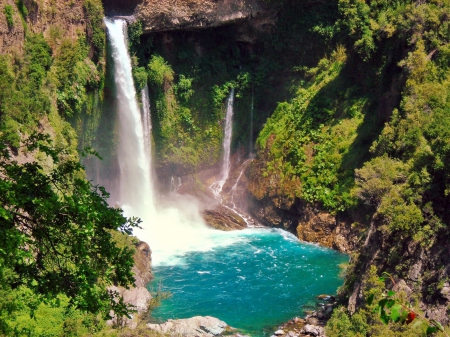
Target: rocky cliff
192, 14
54, 19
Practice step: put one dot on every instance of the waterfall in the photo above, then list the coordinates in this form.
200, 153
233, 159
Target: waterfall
135, 191
174, 226
216, 187
147, 123
250, 147
227, 137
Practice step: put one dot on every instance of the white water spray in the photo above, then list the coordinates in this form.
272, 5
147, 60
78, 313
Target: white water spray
172, 229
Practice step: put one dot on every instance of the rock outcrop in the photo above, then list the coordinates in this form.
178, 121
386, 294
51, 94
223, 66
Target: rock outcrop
51, 18
138, 296
163, 15
197, 326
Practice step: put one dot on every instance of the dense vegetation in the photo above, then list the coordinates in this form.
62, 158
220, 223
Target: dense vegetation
366, 129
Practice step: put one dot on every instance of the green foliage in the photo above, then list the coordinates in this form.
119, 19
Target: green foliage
55, 235
160, 73
308, 139
135, 31
140, 77
23, 99
8, 11
383, 313
75, 74
95, 31
22, 8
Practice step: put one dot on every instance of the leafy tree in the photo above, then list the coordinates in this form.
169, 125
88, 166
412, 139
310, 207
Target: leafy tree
55, 235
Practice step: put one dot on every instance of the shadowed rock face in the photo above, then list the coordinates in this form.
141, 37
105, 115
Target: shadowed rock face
120, 7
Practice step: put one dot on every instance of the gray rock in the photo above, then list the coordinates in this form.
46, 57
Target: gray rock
138, 297
401, 286
312, 320
279, 332
313, 330
191, 327
445, 291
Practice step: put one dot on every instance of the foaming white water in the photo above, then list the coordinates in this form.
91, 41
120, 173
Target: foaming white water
172, 229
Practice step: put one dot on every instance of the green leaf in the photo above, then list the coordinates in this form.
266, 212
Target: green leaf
431, 330
437, 324
396, 312
383, 316
391, 293
390, 303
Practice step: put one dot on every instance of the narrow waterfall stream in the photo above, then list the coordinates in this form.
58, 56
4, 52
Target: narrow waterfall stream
252, 278
216, 187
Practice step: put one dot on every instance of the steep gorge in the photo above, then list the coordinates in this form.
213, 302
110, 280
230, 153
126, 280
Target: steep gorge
355, 155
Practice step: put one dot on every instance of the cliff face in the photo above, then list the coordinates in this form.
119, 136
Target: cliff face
164, 15
54, 19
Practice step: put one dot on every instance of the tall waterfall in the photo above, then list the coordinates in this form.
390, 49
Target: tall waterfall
135, 190
227, 136
216, 187
172, 227
252, 108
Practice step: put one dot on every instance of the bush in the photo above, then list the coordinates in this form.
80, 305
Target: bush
160, 73
8, 11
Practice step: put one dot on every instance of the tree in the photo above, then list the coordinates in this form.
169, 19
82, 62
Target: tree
55, 234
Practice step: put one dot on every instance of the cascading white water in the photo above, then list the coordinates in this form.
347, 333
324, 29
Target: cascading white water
176, 227
147, 125
227, 136
135, 192
250, 146
216, 187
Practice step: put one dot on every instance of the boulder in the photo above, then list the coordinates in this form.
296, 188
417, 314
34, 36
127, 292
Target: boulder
313, 330
191, 327
445, 291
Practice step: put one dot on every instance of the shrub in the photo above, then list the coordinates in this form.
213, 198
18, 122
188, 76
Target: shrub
8, 11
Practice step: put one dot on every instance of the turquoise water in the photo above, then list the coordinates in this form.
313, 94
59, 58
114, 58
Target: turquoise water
259, 279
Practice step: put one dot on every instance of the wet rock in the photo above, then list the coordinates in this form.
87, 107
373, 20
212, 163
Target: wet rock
326, 297
197, 326
328, 310
223, 219
279, 332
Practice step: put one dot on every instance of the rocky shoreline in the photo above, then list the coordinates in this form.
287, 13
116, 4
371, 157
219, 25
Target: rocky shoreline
312, 325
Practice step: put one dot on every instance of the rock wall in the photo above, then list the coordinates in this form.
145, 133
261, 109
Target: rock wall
161, 15
55, 19
309, 223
